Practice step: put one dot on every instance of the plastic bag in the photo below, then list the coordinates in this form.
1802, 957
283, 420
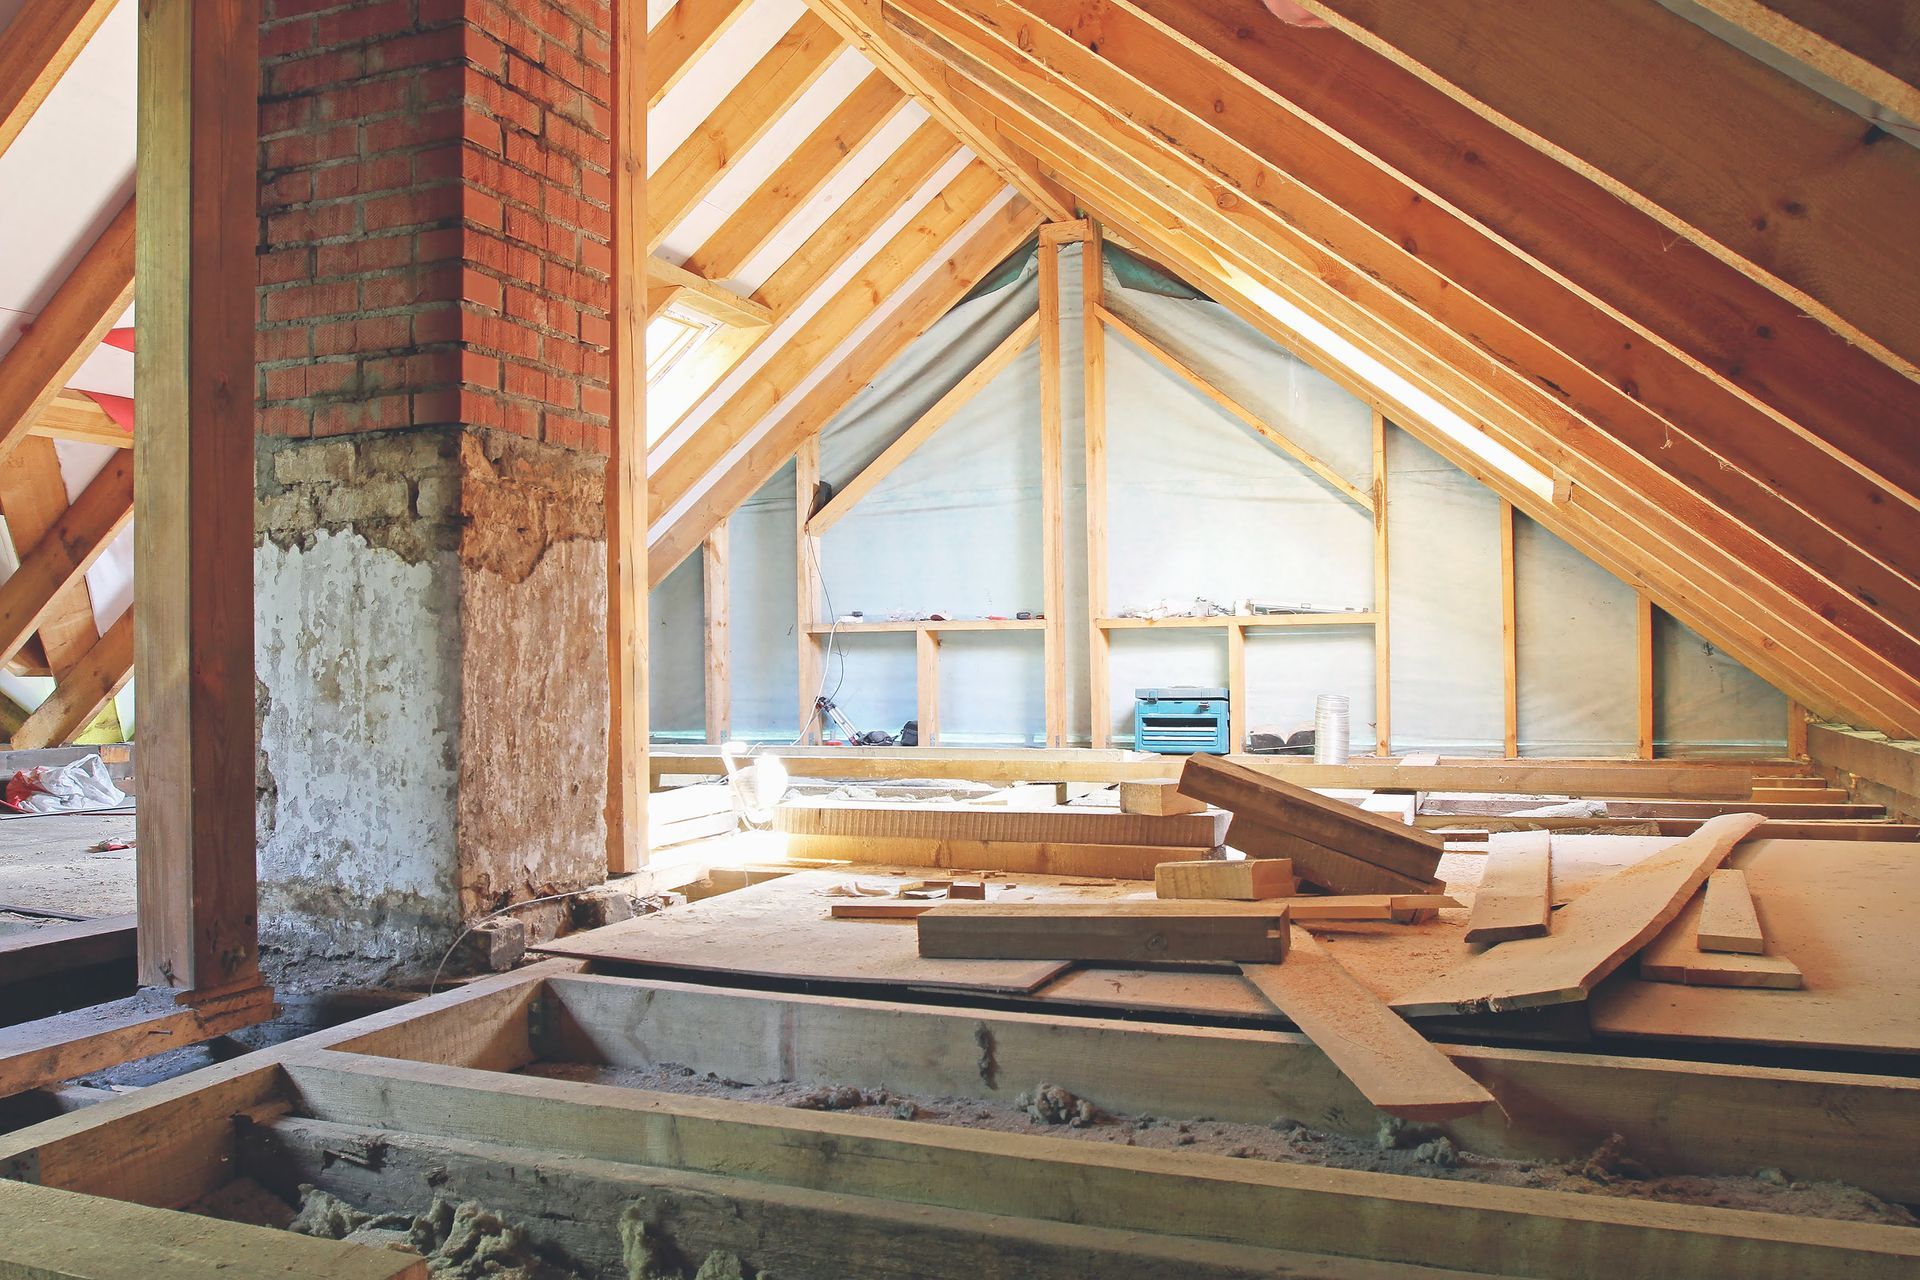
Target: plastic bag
67, 788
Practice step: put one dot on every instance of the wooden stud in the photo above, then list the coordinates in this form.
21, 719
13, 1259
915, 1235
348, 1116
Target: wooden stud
812, 651
937, 416
36, 49
1509, 634
967, 263
790, 187
88, 303
1382, 647
1093, 337
1236, 687
926, 650
193, 493
770, 86
1796, 730
719, 647
627, 728
1645, 701
1259, 425
1053, 498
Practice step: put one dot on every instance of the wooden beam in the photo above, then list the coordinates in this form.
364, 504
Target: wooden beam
1796, 730
684, 33
1645, 701
1053, 497
1872, 49
1259, 425
708, 297
63, 554
1509, 634
812, 651
36, 49
1088, 159
89, 302
719, 641
49, 1050
1236, 687
33, 496
926, 683
73, 416
53, 952
193, 494
1741, 142
1093, 355
895, 262
627, 516
770, 86
1120, 932
922, 429
966, 265
83, 692
1382, 647
821, 155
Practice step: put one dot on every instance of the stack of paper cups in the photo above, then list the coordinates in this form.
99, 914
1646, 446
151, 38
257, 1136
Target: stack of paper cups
1330, 729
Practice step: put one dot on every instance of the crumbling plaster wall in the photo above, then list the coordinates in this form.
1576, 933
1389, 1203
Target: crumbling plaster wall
430, 612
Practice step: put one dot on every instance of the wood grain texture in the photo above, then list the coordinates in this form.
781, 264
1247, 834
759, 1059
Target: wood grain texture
1676, 956
1387, 1060
1282, 806
855, 819
1728, 921
1515, 897
1592, 936
1105, 932
1317, 864
1046, 857
1247, 879
1157, 798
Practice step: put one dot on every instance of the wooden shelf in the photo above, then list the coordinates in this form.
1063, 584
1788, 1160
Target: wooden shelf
949, 624
1219, 621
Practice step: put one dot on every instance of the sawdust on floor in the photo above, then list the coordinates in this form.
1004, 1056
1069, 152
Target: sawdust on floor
1410, 1149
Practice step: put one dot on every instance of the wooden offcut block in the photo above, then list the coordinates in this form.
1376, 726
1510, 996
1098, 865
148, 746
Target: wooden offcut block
1343, 828
1246, 880
1728, 921
1136, 932
1158, 799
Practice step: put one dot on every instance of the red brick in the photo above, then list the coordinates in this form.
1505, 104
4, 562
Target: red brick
480, 289
284, 266
280, 344
282, 39
595, 49
289, 383
385, 292
596, 257
482, 131
304, 75
303, 301
479, 370
441, 322
363, 21
284, 420
428, 126
285, 116
595, 330
480, 208
404, 53
388, 333
441, 405
330, 377
297, 8
379, 413
596, 186
411, 208
334, 339
596, 400
478, 409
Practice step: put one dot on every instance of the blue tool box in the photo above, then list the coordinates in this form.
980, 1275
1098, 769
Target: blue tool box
1180, 721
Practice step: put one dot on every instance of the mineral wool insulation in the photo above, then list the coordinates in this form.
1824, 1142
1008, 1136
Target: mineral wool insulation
1198, 506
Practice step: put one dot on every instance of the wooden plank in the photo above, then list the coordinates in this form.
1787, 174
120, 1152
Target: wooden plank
198, 187
1246, 879
50, 1234
800, 177
1093, 448
1645, 702
1053, 498
37, 47
65, 1045
812, 654
1676, 956
1259, 425
89, 302
1047, 857
1317, 864
627, 511
1509, 634
709, 297
1565, 1236
1870, 49
1592, 936
1328, 908
1728, 921
1237, 711
1105, 932
51, 950
926, 664
1297, 811
879, 909
924, 426
83, 692
1515, 895
1382, 649
851, 820
1677, 1116
1159, 799
718, 649
54, 563
74, 416
1391, 1064
684, 33
770, 86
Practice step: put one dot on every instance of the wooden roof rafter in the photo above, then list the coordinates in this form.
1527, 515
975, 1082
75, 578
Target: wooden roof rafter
36, 48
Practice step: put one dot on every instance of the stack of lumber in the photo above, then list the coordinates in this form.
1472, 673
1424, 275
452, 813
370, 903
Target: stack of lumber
1717, 941
1337, 846
685, 814
1059, 841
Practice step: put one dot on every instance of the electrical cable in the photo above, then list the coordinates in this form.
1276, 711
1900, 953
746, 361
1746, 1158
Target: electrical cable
511, 906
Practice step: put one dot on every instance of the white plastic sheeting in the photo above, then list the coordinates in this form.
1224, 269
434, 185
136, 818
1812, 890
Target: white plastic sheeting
1198, 505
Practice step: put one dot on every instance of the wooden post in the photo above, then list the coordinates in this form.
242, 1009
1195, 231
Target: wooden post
1645, 701
1796, 730
1052, 496
627, 775
1236, 686
1509, 642
806, 478
719, 650
193, 498
1093, 337
1382, 686
926, 652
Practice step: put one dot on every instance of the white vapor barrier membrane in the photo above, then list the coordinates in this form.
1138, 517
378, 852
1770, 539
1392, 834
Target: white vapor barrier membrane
1198, 506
